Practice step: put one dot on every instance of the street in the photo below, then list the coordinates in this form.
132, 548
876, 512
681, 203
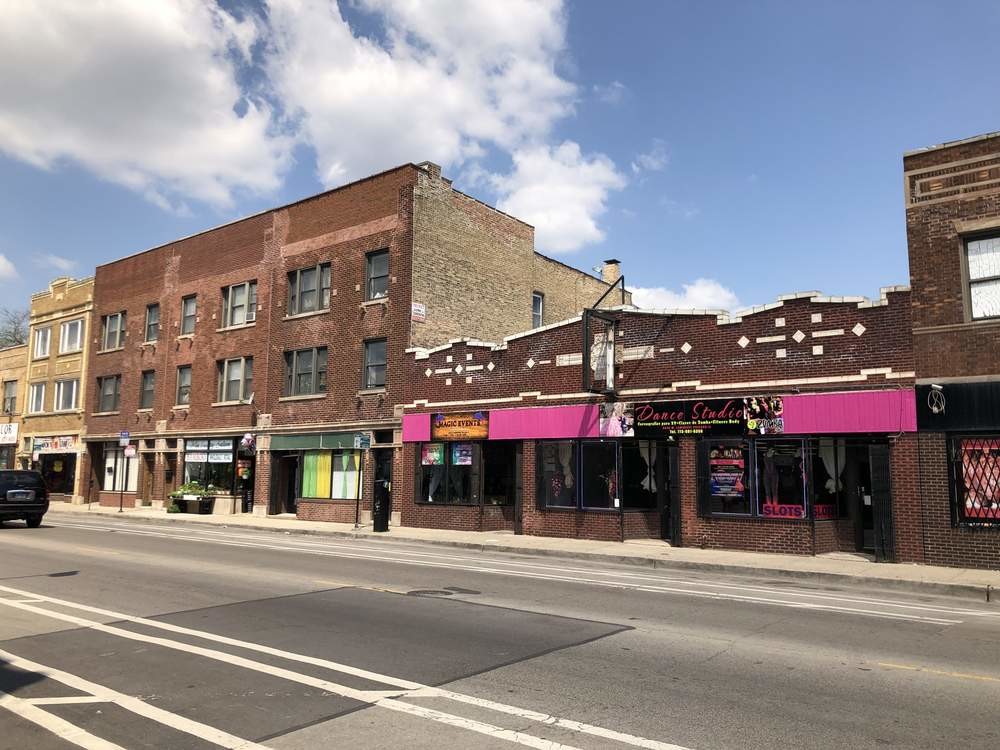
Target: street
155, 635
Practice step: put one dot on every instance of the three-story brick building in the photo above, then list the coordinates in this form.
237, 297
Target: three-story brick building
260, 358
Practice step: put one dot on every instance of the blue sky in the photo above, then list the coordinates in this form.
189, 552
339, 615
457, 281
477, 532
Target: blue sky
725, 152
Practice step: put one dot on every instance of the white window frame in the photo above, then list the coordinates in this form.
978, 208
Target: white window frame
74, 392
984, 279
537, 318
193, 317
224, 368
69, 342
145, 330
248, 306
320, 289
36, 398
42, 348
119, 342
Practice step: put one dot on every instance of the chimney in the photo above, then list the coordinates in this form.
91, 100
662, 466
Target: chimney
611, 271
432, 169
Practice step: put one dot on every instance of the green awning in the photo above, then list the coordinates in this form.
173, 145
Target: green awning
315, 441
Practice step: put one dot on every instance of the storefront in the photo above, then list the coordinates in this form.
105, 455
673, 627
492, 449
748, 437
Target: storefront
56, 458
318, 475
8, 444
221, 468
813, 467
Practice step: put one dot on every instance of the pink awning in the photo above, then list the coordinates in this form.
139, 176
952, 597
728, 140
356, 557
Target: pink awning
858, 411
416, 428
545, 422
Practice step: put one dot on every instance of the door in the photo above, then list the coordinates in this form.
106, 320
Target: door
382, 491
881, 507
519, 488
170, 475
148, 468
287, 479
670, 517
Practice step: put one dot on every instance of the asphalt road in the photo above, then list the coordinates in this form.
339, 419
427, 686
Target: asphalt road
138, 635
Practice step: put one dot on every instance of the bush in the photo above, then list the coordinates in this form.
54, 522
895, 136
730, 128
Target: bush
173, 508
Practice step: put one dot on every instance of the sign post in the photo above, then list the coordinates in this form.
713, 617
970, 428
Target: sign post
123, 441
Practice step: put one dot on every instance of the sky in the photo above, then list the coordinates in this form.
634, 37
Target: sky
725, 152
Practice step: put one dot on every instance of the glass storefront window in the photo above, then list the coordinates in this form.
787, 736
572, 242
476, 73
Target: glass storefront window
556, 473
642, 472
331, 474
726, 480
120, 473
59, 472
449, 473
780, 479
211, 463
976, 477
599, 474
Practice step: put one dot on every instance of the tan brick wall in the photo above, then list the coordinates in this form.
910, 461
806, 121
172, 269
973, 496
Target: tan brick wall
475, 269
65, 300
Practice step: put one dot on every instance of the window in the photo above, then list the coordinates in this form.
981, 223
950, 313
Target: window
332, 474
152, 322
557, 473
537, 309
183, 385
644, 472
108, 393
42, 342
36, 398
976, 479
983, 257
120, 473
599, 474
305, 372
66, 395
10, 397
189, 314
309, 289
239, 304
211, 463
71, 336
235, 379
449, 473
780, 479
147, 390
113, 331
725, 479
377, 275
374, 364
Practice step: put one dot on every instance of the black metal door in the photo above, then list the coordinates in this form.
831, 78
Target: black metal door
518, 488
382, 496
885, 537
673, 529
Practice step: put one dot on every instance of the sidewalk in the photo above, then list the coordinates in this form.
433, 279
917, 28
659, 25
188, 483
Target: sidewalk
842, 568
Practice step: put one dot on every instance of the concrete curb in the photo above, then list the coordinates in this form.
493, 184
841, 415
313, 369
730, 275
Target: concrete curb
967, 590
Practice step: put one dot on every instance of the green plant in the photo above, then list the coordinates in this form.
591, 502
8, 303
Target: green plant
190, 488
173, 508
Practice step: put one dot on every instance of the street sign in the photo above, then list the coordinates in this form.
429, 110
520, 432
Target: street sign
123, 438
129, 451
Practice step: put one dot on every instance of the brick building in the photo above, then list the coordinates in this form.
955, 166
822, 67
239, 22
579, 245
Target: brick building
952, 194
261, 356
13, 375
789, 427
53, 426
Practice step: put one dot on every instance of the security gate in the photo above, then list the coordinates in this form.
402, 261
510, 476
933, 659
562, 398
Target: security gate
885, 536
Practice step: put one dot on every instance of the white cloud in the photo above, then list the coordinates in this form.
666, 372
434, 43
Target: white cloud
653, 160
7, 269
561, 192
141, 94
56, 262
451, 80
610, 93
701, 293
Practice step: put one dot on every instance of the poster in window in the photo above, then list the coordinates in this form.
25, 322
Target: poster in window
764, 415
618, 419
979, 464
195, 458
461, 454
220, 458
727, 472
196, 445
220, 445
464, 426
432, 454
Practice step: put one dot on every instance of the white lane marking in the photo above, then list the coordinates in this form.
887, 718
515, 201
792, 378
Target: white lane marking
134, 705
54, 724
412, 688
65, 700
704, 594
306, 545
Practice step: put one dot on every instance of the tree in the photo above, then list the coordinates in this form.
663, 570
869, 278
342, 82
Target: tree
13, 326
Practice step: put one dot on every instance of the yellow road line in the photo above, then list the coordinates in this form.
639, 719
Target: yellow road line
942, 673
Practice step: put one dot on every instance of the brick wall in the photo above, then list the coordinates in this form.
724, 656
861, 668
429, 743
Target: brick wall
905, 483
475, 269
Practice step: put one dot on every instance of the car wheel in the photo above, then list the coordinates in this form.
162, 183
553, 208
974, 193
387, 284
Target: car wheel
33, 521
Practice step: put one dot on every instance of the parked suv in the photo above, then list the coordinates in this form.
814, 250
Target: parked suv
23, 494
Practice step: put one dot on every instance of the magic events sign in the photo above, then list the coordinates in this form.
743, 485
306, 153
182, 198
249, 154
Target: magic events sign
759, 415
462, 426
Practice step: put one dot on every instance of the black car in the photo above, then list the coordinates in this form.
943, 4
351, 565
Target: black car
23, 495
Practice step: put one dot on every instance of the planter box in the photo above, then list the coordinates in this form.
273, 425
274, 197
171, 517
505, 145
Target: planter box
195, 504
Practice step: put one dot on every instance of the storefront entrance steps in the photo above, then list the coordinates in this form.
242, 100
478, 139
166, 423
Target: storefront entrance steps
834, 568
